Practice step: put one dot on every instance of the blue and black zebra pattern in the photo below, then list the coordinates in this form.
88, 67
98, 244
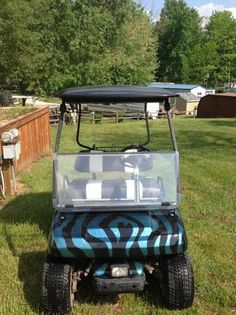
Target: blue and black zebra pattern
117, 235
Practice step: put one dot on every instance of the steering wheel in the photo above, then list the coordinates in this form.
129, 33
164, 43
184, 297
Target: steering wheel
139, 148
142, 162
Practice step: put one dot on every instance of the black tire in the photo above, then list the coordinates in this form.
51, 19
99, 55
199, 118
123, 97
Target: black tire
177, 281
56, 293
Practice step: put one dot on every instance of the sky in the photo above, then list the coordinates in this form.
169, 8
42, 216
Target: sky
204, 7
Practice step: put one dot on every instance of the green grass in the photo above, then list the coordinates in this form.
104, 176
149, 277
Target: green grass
208, 171
50, 99
12, 112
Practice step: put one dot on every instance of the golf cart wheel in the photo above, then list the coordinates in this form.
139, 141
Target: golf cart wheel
177, 281
56, 294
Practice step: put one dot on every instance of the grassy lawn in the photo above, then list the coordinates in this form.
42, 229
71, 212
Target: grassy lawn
208, 171
12, 112
50, 99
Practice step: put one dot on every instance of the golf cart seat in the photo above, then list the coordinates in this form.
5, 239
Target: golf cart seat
123, 187
110, 189
93, 163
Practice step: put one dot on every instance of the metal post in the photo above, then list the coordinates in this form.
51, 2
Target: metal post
173, 139
60, 124
147, 125
78, 131
172, 134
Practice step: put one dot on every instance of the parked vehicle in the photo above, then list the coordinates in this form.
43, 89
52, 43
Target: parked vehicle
116, 213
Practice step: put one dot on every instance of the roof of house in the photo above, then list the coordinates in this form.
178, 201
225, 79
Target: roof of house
189, 97
174, 86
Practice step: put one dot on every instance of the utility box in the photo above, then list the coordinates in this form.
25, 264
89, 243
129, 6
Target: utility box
11, 144
8, 151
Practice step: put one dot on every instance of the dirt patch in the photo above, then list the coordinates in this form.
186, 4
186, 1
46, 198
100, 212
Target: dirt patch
21, 188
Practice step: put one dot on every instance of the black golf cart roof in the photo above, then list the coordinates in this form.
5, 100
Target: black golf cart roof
115, 94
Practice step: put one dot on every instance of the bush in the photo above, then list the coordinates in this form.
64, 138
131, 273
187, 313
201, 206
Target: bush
5, 98
98, 118
121, 115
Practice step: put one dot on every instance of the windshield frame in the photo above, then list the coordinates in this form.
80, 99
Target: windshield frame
94, 206
104, 147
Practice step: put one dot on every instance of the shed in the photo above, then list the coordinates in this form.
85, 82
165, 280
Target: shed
186, 102
217, 105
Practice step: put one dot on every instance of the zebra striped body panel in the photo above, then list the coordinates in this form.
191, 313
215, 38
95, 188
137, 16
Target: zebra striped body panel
117, 234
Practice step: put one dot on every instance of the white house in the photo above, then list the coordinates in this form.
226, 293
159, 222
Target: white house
194, 89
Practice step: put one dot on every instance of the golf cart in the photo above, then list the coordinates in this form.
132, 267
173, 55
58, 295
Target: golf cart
116, 211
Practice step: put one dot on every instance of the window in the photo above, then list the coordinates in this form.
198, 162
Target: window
115, 179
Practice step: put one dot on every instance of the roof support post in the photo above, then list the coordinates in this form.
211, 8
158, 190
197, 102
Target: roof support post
173, 139
78, 131
147, 125
172, 134
59, 129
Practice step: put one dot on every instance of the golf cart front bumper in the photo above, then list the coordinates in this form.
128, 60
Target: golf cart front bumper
117, 235
109, 278
119, 285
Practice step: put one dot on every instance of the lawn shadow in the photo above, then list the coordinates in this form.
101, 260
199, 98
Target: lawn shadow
87, 295
222, 123
34, 208
205, 140
30, 273
30, 208
152, 292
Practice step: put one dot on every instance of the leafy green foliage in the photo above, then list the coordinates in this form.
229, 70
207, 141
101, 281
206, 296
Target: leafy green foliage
221, 30
58, 44
190, 52
5, 98
17, 44
179, 30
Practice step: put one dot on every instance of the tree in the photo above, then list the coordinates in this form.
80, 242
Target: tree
221, 33
60, 43
202, 61
179, 31
17, 45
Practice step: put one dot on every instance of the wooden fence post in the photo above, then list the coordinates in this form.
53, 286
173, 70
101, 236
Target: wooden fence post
6, 170
93, 116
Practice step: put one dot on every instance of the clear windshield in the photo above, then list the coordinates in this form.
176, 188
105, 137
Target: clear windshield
115, 180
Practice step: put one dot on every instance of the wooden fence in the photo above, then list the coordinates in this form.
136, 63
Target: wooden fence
93, 116
34, 130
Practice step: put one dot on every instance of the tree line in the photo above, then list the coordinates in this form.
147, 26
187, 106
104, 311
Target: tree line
194, 50
48, 45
